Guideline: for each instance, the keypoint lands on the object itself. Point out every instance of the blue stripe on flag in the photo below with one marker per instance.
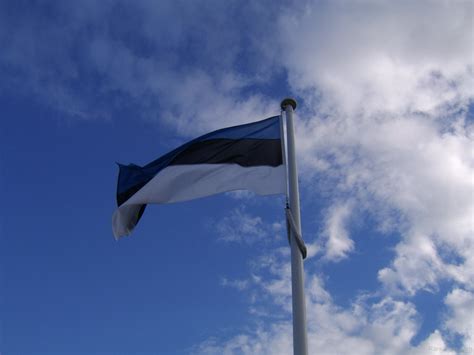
(265, 129)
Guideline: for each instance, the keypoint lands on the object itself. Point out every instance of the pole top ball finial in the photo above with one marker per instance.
(288, 101)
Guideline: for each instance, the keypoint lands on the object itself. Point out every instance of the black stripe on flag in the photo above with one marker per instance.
(244, 152)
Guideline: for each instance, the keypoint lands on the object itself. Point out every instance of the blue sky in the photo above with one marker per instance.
(384, 140)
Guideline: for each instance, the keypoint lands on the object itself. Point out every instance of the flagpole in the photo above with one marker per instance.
(300, 338)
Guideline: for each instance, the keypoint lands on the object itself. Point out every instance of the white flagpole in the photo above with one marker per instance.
(300, 338)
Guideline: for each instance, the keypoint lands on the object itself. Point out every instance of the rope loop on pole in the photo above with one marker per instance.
(290, 223)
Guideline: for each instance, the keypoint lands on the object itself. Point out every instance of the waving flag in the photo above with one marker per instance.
(245, 157)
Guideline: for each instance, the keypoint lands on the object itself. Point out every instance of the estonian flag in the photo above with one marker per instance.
(246, 157)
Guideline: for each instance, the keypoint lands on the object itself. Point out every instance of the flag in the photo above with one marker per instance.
(245, 157)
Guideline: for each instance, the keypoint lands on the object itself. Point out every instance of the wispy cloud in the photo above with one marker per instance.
(242, 227)
(338, 243)
(237, 284)
(87, 65)
(372, 324)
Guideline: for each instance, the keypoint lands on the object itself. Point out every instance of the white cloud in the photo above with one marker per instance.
(386, 126)
(386, 326)
(434, 344)
(338, 243)
(367, 57)
(242, 227)
(191, 100)
(461, 316)
(237, 284)
(413, 177)
(88, 66)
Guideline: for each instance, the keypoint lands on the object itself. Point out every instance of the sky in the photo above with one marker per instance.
(384, 135)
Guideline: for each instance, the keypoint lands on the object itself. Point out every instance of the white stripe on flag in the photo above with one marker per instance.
(186, 182)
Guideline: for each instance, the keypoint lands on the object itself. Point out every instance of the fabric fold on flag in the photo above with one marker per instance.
(245, 157)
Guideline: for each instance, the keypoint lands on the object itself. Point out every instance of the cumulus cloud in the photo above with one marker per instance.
(388, 127)
(461, 319)
(338, 243)
(371, 325)
(414, 177)
(366, 57)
